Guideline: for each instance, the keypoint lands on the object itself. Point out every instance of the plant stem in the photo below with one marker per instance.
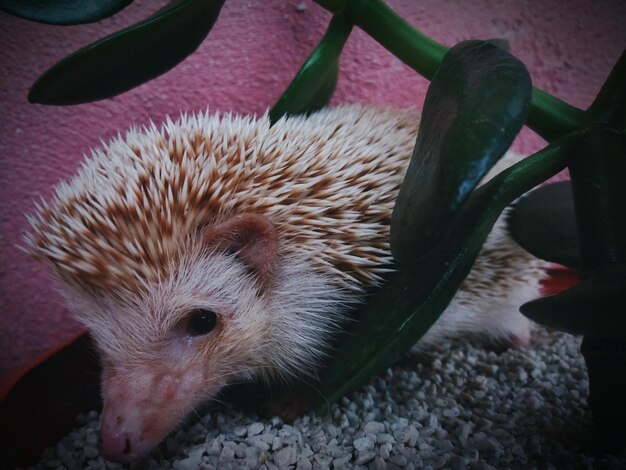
(548, 116)
(551, 117)
(598, 171)
(415, 49)
(606, 364)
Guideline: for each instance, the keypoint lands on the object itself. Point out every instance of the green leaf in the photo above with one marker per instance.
(593, 307)
(544, 223)
(130, 57)
(475, 106)
(501, 43)
(63, 12)
(314, 84)
(413, 298)
(609, 107)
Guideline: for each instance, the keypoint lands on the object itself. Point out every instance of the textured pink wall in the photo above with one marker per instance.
(248, 59)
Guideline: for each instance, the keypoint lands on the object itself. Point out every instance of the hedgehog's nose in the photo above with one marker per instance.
(115, 444)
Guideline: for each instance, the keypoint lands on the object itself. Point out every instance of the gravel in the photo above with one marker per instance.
(460, 406)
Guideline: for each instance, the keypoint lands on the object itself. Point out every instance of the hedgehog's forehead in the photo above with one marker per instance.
(198, 277)
(125, 322)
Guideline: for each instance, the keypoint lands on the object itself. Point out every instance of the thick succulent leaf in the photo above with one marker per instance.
(544, 224)
(609, 107)
(593, 307)
(314, 85)
(63, 12)
(475, 106)
(130, 57)
(414, 297)
(501, 43)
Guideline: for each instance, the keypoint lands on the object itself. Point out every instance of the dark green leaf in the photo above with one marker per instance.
(475, 106)
(544, 224)
(501, 43)
(609, 107)
(129, 57)
(593, 307)
(313, 86)
(63, 12)
(413, 298)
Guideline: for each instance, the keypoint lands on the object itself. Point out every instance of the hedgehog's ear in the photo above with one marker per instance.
(252, 238)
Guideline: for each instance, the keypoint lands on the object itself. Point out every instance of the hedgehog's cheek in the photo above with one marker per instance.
(140, 409)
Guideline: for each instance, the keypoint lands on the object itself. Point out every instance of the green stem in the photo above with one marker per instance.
(549, 116)
(598, 171)
(413, 48)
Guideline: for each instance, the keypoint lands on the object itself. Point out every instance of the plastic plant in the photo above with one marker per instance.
(478, 99)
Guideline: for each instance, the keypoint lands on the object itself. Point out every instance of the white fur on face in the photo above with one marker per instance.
(283, 331)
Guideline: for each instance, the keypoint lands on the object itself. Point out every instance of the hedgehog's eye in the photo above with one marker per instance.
(201, 322)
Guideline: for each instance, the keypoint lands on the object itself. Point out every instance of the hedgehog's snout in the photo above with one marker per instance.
(116, 445)
(138, 411)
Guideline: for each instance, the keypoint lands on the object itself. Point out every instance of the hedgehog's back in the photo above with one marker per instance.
(327, 182)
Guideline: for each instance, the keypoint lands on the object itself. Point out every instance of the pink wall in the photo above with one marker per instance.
(248, 59)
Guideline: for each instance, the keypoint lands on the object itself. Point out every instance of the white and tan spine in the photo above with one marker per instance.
(327, 182)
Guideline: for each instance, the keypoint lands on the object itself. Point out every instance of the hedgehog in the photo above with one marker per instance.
(219, 249)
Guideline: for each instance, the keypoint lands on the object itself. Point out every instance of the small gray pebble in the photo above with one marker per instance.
(341, 462)
(384, 438)
(401, 435)
(215, 448)
(92, 438)
(277, 443)
(91, 452)
(255, 428)
(374, 427)
(286, 456)
(304, 464)
(258, 442)
(364, 457)
(364, 443)
(192, 461)
(323, 460)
